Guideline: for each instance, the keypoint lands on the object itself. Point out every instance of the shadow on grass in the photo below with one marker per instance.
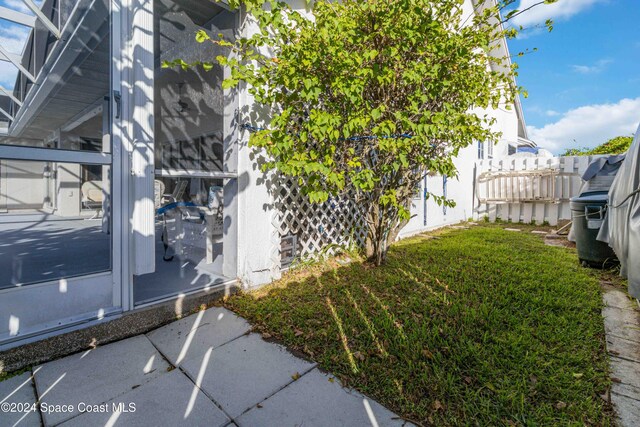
(479, 326)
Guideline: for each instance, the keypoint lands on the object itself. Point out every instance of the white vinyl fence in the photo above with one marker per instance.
(528, 189)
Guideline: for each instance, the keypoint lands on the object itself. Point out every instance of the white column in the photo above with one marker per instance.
(258, 237)
(137, 111)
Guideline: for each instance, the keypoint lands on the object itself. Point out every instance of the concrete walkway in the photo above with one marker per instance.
(622, 327)
(206, 369)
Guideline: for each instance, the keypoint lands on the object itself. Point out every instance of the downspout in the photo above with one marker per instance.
(424, 201)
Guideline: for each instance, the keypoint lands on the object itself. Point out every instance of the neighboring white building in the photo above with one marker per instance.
(98, 137)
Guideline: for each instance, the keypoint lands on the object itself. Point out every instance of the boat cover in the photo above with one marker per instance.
(621, 228)
(598, 178)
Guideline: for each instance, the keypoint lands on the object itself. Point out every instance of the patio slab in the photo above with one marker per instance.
(626, 390)
(178, 276)
(617, 298)
(18, 390)
(229, 378)
(37, 249)
(626, 372)
(193, 336)
(168, 400)
(97, 376)
(244, 372)
(318, 399)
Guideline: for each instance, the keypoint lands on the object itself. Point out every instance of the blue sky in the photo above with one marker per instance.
(584, 80)
(12, 38)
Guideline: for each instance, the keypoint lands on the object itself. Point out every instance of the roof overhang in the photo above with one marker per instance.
(83, 31)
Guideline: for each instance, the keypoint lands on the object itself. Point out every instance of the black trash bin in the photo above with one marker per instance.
(588, 212)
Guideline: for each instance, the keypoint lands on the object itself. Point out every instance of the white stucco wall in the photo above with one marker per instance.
(461, 189)
(22, 185)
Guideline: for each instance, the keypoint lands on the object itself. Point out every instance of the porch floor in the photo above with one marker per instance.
(178, 275)
(40, 247)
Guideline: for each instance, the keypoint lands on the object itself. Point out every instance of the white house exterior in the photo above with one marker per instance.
(97, 136)
(427, 214)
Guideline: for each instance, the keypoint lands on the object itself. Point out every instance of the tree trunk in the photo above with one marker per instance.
(375, 250)
(376, 242)
(381, 234)
(393, 234)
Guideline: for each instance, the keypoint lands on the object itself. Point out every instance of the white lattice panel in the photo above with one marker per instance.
(335, 223)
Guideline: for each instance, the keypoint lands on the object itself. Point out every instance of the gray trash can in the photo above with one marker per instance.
(588, 212)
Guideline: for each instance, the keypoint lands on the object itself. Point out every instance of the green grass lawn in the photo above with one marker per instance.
(465, 327)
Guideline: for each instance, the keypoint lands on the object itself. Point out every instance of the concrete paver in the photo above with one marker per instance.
(622, 327)
(194, 335)
(244, 372)
(96, 376)
(622, 348)
(621, 323)
(628, 410)
(168, 400)
(318, 399)
(18, 392)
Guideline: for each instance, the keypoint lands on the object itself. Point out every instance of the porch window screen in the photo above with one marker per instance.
(56, 166)
(189, 104)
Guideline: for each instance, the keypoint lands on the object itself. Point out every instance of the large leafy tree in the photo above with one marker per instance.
(369, 96)
(617, 145)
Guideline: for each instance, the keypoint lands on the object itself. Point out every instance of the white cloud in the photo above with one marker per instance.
(13, 37)
(563, 9)
(8, 74)
(592, 69)
(588, 126)
(551, 113)
(19, 5)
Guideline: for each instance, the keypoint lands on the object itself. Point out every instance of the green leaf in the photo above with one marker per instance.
(202, 36)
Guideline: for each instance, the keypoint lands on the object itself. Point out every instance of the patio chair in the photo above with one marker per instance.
(92, 196)
(178, 191)
(158, 193)
(215, 204)
(187, 226)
